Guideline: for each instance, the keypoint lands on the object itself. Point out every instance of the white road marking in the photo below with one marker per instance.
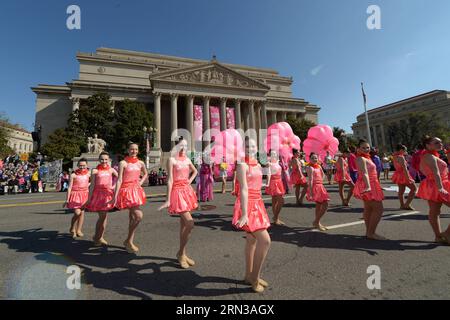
(21, 198)
(337, 226)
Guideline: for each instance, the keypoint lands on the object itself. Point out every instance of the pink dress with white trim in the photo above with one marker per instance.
(182, 198)
(256, 211)
(131, 194)
(80, 191)
(103, 192)
(275, 187)
(320, 193)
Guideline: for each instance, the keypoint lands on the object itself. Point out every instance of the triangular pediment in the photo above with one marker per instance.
(212, 73)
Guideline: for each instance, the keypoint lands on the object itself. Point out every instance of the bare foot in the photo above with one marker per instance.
(261, 282)
(320, 227)
(130, 247)
(278, 223)
(80, 234)
(376, 237)
(183, 262)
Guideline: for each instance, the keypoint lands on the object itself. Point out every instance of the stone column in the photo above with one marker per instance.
(283, 115)
(206, 122)
(246, 117)
(113, 106)
(237, 113)
(190, 119)
(75, 104)
(174, 115)
(264, 115)
(251, 111)
(273, 116)
(223, 113)
(157, 103)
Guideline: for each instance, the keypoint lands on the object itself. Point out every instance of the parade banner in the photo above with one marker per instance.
(215, 117)
(231, 122)
(50, 171)
(198, 123)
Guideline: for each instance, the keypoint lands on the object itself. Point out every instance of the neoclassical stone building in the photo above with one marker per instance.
(436, 103)
(19, 139)
(176, 90)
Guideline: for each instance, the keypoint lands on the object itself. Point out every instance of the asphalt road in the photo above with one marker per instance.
(36, 251)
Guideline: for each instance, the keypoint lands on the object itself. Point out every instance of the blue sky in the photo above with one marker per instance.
(324, 45)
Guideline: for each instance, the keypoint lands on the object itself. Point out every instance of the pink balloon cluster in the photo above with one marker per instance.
(228, 144)
(282, 139)
(320, 140)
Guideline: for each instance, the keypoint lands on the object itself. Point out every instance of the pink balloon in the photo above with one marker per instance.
(281, 138)
(228, 144)
(320, 140)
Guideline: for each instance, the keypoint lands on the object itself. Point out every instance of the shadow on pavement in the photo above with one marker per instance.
(137, 280)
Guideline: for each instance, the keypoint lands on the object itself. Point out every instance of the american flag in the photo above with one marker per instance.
(364, 94)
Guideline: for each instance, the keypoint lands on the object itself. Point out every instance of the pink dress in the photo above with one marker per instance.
(103, 192)
(182, 198)
(275, 187)
(297, 177)
(399, 176)
(428, 189)
(320, 193)
(256, 211)
(80, 191)
(130, 193)
(342, 173)
(206, 183)
(376, 193)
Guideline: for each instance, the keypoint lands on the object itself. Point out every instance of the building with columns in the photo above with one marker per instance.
(18, 139)
(436, 103)
(173, 88)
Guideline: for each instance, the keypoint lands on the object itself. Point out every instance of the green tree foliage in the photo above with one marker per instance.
(345, 141)
(62, 144)
(300, 127)
(411, 131)
(130, 119)
(5, 150)
(95, 116)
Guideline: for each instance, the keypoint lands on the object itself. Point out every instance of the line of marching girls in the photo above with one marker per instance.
(94, 191)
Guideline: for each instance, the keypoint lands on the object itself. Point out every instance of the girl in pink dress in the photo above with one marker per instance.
(316, 191)
(368, 189)
(129, 193)
(102, 196)
(250, 216)
(402, 178)
(77, 196)
(436, 186)
(342, 177)
(181, 198)
(297, 177)
(275, 187)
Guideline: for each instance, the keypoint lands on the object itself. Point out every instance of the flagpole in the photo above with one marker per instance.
(367, 115)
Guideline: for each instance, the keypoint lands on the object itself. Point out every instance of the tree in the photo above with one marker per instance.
(5, 149)
(345, 141)
(300, 127)
(95, 116)
(411, 131)
(130, 119)
(63, 144)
